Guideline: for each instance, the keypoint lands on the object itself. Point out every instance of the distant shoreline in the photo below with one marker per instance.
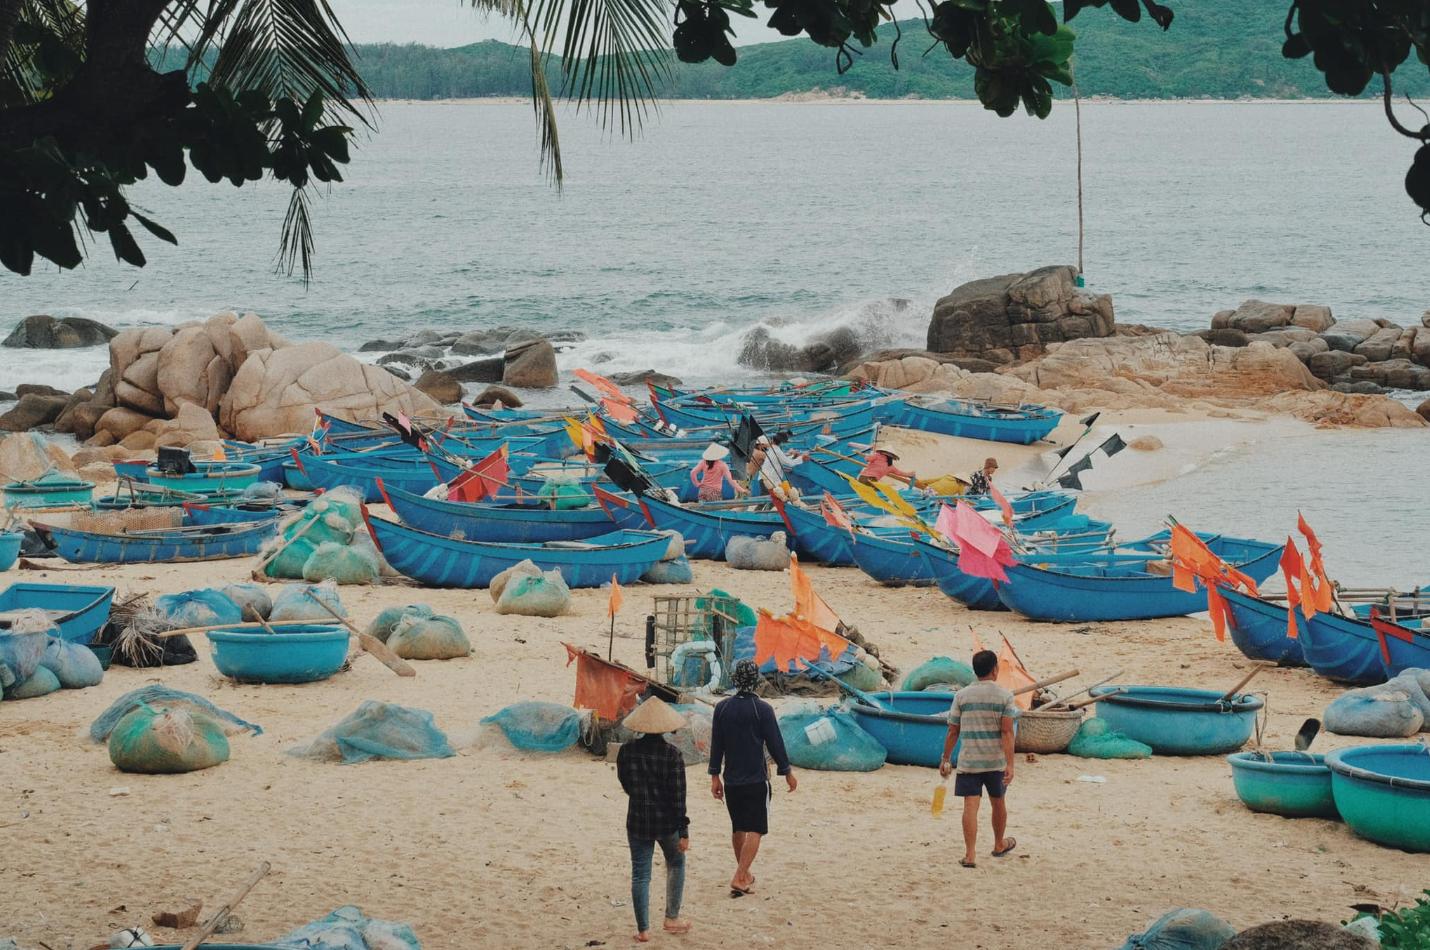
(818, 98)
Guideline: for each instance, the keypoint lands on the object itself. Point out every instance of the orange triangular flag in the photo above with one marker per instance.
(614, 603)
(808, 605)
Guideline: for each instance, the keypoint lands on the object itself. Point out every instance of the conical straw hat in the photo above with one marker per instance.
(654, 715)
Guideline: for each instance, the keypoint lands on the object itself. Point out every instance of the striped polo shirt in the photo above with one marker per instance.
(978, 711)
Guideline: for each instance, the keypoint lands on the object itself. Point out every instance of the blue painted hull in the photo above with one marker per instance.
(295, 654)
(817, 540)
(848, 418)
(1093, 591)
(708, 530)
(439, 561)
(524, 524)
(211, 477)
(891, 559)
(1383, 793)
(197, 514)
(1258, 628)
(1176, 721)
(86, 608)
(1405, 656)
(414, 475)
(976, 593)
(973, 421)
(912, 733)
(1344, 650)
(225, 541)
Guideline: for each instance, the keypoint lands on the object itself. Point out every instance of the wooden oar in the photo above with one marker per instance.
(369, 642)
(222, 913)
(1231, 693)
(272, 555)
(1101, 682)
(1033, 687)
(1090, 700)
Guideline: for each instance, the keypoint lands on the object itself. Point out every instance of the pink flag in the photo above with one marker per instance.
(983, 551)
(1003, 504)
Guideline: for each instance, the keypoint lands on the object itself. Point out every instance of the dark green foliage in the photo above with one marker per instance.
(1407, 928)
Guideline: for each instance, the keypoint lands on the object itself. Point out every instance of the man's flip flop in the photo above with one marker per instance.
(964, 862)
(1012, 843)
(736, 892)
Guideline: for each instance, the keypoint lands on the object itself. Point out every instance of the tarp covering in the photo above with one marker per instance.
(608, 689)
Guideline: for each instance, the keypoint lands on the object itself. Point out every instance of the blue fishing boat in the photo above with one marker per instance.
(842, 418)
(160, 545)
(207, 477)
(518, 523)
(816, 539)
(79, 612)
(1178, 721)
(1402, 648)
(133, 469)
(911, 726)
(440, 561)
(1132, 582)
(1342, 649)
(976, 593)
(1020, 425)
(707, 527)
(1290, 784)
(10, 543)
(1383, 793)
(1258, 629)
(890, 558)
(409, 474)
(199, 513)
(50, 490)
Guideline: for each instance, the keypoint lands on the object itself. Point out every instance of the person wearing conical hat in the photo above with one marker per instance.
(652, 772)
(711, 473)
(880, 464)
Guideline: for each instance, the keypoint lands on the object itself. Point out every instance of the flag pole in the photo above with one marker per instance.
(611, 643)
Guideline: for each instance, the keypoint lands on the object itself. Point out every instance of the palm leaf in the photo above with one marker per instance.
(39, 32)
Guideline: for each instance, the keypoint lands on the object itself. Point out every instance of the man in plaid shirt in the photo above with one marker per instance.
(652, 772)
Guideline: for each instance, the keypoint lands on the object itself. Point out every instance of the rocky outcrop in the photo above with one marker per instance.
(643, 376)
(276, 391)
(25, 455)
(32, 411)
(1017, 316)
(44, 332)
(497, 394)
(530, 366)
(440, 386)
(825, 352)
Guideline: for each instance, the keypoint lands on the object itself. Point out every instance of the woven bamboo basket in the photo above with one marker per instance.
(1046, 730)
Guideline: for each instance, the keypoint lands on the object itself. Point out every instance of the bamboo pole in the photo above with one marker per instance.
(370, 643)
(1049, 681)
(222, 913)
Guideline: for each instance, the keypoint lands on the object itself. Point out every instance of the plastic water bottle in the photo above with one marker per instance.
(939, 794)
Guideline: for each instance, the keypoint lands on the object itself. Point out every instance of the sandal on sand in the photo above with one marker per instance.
(736, 892)
(1012, 843)
(965, 863)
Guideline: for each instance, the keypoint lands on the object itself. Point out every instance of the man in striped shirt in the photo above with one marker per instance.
(982, 716)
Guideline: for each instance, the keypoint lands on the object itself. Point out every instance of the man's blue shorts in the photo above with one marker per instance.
(972, 784)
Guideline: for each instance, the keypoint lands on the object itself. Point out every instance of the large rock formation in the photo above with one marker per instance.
(825, 352)
(32, 411)
(1016, 316)
(44, 332)
(530, 366)
(25, 455)
(276, 391)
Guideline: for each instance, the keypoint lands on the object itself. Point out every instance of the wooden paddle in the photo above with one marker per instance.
(1101, 682)
(1086, 702)
(1230, 694)
(222, 913)
(369, 642)
(272, 555)
(1033, 687)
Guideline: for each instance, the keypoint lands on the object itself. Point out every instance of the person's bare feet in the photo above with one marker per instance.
(676, 926)
(642, 937)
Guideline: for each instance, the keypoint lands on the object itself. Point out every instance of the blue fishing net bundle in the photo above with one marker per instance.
(347, 928)
(160, 696)
(850, 750)
(1183, 929)
(205, 607)
(535, 726)
(1095, 739)
(377, 730)
(938, 671)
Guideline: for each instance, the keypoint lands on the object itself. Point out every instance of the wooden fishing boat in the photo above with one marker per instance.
(79, 612)
(513, 522)
(50, 490)
(1258, 629)
(161, 545)
(1383, 793)
(1178, 721)
(707, 527)
(890, 558)
(198, 513)
(1401, 647)
(816, 539)
(1020, 425)
(441, 561)
(1132, 582)
(207, 477)
(911, 726)
(976, 593)
(1342, 649)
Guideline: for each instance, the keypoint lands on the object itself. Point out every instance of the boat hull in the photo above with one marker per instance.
(1258, 629)
(525, 524)
(1383, 793)
(913, 731)
(976, 593)
(86, 609)
(891, 560)
(1177, 721)
(970, 421)
(707, 531)
(1344, 650)
(1292, 784)
(226, 541)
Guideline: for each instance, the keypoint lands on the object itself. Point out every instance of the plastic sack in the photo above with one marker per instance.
(41, 683)
(347, 928)
(1095, 739)
(343, 563)
(305, 602)
(166, 741)
(1375, 712)
(378, 730)
(429, 638)
(676, 571)
(757, 554)
(1412, 683)
(205, 607)
(676, 549)
(382, 624)
(75, 666)
(692, 740)
(253, 601)
(345, 502)
(22, 646)
(939, 671)
(156, 695)
(538, 727)
(525, 568)
(1183, 929)
(535, 595)
(262, 491)
(318, 524)
(564, 493)
(810, 746)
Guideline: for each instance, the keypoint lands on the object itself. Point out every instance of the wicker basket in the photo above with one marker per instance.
(1046, 731)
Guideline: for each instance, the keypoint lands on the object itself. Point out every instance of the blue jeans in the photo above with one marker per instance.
(642, 850)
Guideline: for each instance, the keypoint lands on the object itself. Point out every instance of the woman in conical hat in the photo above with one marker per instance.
(652, 772)
(711, 473)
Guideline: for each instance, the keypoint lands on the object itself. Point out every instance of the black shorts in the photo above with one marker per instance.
(749, 807)
(972, 784)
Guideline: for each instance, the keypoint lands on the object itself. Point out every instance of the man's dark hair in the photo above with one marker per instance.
(781, 437)
(984, 662)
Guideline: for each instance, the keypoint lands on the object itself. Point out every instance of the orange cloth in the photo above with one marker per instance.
(613, 604)
(834, 513)
(1012, 674)
(1324, 597)
(1294, 570)
(788, 639)
(606, 688)
(603, 385)
(619, 411)
(219, 454)
(481, 480)
(1003, 504)
(808, 605)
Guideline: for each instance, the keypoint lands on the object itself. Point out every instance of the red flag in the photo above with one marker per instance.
(481, 480)
(1002, 503)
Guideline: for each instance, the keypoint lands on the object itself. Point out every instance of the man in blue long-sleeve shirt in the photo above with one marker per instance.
(744, 728)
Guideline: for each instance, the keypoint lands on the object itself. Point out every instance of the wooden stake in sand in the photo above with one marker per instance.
(222, 913)
(369, 642)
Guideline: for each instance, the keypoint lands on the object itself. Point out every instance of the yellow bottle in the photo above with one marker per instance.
(939, 794)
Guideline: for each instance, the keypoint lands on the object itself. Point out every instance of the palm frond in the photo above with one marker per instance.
(42, 36)
(297, 247)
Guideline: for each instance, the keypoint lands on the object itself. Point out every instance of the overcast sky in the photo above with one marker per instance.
(452, 23)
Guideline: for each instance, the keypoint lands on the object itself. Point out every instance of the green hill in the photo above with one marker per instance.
(1217, 49)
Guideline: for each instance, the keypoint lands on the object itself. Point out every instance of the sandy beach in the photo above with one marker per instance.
(496, 848)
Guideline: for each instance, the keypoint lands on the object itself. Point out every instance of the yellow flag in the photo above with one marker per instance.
(575, 432)
(895, 499)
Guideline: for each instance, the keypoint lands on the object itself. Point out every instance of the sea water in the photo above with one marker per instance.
(801, 217)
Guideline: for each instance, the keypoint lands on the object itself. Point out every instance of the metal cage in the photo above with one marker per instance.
(677, 620)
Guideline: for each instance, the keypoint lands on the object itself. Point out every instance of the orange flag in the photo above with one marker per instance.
(1003, 504)
(614, 603)
(1294, 570)
(1323, 591)
(808, 605)
(219, 454)
(787, 639)
(1012, 674)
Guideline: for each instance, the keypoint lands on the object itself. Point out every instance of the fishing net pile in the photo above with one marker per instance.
(382, 625)
(326, 541)
(1396, 709)
(674, 566)
(377, 730)
(564, 492)
(829, 740)
(1095, 739)
(316, 603)
(22, 646)
(347, 928)
(158, 730)
(525, 589)
(940, 673)
(157, 695)
(535, 726)
(1183, 929)
(432, 637)
(758, 554)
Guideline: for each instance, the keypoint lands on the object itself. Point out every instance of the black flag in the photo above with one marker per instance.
(1063, 452)
(1070, 480)
(1113, 445)
(743, 444)
(1090, 419)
